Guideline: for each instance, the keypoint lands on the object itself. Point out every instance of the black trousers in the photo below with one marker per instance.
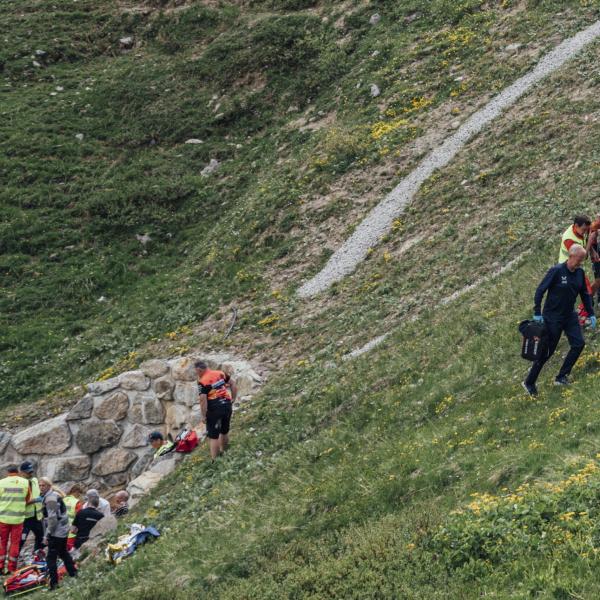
(35, 526)
(57, 548)
(555, 328)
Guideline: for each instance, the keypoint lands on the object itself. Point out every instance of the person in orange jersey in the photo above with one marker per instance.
(217, 392)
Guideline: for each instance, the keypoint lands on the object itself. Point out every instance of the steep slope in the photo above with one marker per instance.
(355, 480)
(282, 99)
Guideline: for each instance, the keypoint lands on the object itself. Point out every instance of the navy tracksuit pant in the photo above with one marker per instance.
(555, 327)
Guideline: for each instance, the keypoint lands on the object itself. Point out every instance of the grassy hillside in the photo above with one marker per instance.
(279, 92)
(417, 471)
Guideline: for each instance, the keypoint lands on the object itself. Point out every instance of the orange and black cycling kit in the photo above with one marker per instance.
(214, 385)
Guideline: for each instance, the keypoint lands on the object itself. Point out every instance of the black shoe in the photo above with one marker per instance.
(530, 388)
(562, 380)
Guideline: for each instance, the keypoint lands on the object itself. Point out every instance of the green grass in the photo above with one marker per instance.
(71, 209)
(345, 480)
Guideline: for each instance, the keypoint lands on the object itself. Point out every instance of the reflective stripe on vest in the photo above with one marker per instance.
(33, 510)
(13, 493)
(164, 449)
(569, 234)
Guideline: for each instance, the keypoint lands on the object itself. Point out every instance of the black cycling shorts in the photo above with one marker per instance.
(596, 267)
(218, 418)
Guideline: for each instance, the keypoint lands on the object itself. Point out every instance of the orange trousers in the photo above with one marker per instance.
(10, 542)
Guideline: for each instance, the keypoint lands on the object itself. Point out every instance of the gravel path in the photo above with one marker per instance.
(459, 293)
(378, 222)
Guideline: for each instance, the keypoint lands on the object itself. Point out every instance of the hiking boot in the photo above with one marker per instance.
(562, 380)
(530, 388)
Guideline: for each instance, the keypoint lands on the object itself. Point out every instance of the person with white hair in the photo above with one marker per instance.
(561, 285)
(56, 530)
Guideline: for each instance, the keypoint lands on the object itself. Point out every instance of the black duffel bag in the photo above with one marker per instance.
(535, 340)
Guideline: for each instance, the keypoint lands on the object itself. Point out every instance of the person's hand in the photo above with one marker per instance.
(538, 319)
(593, 322)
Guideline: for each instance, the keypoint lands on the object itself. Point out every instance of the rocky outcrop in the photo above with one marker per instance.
(115, 407)
(49, 437)
(95, 435)
(103, 440)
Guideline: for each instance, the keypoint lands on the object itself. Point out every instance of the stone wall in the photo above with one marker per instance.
(103, 440)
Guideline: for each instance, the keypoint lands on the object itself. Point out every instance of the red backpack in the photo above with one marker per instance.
(186, 441)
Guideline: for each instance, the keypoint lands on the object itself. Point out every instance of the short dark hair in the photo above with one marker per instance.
(12, 469)
(581, 220)
(156, 435)
(200, 364)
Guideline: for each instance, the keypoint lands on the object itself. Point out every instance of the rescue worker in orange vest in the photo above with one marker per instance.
(14, 495)
(217, 392)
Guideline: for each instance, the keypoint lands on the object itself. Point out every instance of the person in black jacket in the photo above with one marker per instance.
(562, 284)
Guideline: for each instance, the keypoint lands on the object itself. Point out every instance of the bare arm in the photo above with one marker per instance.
(233, 388)
(203, 405)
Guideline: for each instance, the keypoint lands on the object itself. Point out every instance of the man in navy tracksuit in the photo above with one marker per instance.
(562, 284)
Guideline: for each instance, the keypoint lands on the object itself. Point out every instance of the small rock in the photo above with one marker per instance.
(146, 408)
(114, 460)
(101, 299)
(95, 435)
(134, 380)
(60, 88)
(512, 47)
(40, 53)
(48, 437)
(375, 91)
(375, 19)
(113, 407)
(193, 141)
(126, 43)
(375, 53)
(36, 64)
(82, 410)
(210, 168)
(154, 368)
(5, 437)
(79, 136)
(136, 437)
(101, 387)
(163, 387)
(141, 485)
(143, 239)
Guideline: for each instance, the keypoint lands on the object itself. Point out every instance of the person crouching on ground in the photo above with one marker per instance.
(56, 526)
(217, 392)
(562, 284)
(121, 507)
(159, 444)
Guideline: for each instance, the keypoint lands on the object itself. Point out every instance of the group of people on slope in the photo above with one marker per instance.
(59, 522)
(561, 285)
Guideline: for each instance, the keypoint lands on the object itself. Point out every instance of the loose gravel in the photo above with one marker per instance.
(379, 221)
